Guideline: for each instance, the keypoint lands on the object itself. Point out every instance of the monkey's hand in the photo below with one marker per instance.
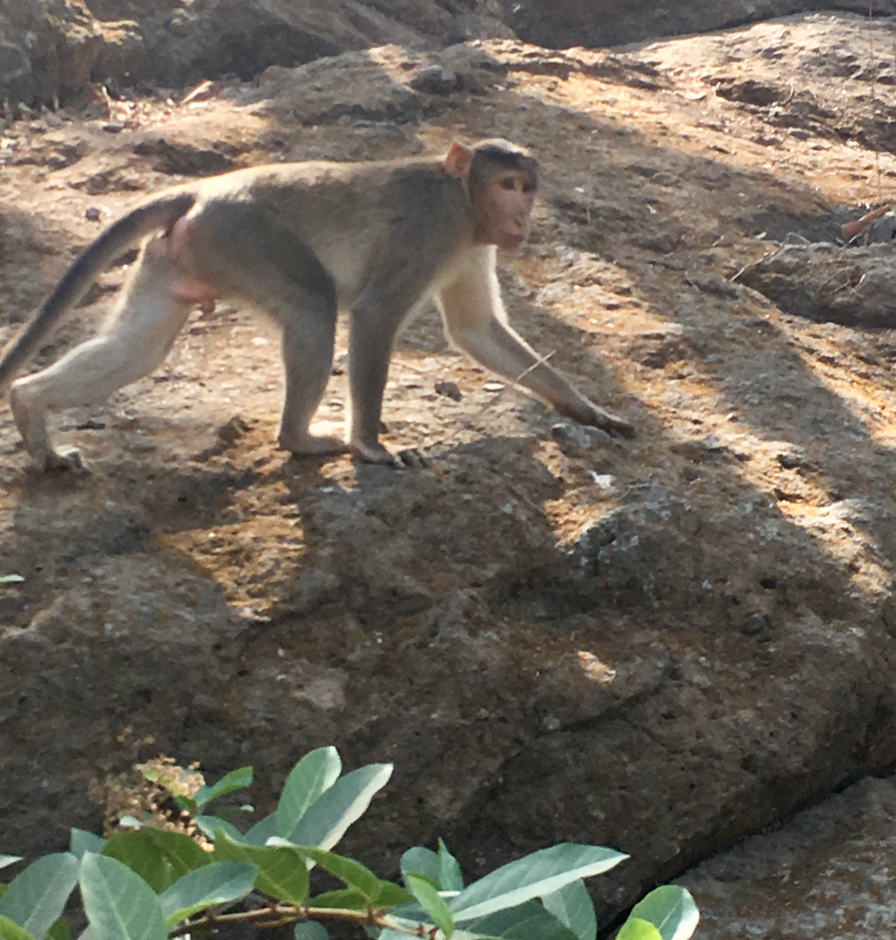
(586, 412)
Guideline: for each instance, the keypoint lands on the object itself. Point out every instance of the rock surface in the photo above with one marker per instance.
(63, 49)
(822, 282)
(562, 23)
(826, 874)
(660, 645)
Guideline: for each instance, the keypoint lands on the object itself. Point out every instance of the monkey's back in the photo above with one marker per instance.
(354, 217)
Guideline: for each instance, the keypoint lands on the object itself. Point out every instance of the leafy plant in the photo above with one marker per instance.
(149, 881)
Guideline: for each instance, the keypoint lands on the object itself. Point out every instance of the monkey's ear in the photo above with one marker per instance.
(458, 161)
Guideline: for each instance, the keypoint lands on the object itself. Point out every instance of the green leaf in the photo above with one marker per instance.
(529, 921)
(450, 876)
(421, 877)
(217, 883)
(11, 579)
(353, 873)
(392, 895)
(421, 861)
(236, 780)
(10, 930)
(9, 860)
(181, 853)
(671, 910)
(83, 841)
(314, 774)
(573, 907)
(345, 899)
(228, 812)
(282, 872)
(310, 930)
(209, 824)
(141, 854)
(119, 904)
(327, 819)
(434, 905)
(263, 830)
(533, 876)
(59, 931)
(36, 897)
(636, 929)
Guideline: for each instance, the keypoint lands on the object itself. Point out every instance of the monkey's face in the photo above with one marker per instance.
(503, 204)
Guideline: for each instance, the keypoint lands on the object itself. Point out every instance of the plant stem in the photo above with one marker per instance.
(288, 913)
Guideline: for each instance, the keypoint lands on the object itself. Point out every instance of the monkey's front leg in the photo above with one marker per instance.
(500, 349)
(475, 321)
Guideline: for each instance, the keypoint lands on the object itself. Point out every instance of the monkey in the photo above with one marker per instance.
(300, 241)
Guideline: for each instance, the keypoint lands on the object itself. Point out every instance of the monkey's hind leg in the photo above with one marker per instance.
(248, 254)
(134, 341)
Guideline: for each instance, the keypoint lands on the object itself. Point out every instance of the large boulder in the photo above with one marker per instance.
(47, 48)
(561, 23)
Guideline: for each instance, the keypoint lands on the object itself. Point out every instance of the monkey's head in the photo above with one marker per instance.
(501, 180)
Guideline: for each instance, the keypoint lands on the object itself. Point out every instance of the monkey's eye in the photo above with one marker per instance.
(529, 188)
(509, 182)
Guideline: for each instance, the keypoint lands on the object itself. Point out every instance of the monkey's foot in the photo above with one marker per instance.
(310, 445)
(67, 458)
(32, 426)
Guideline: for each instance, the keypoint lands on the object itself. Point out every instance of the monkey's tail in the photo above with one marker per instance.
(161, 213)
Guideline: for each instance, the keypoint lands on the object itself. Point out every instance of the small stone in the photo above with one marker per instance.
(449, 390)
(437, 80)
(573, 438)
(788, 461)
(757, 625)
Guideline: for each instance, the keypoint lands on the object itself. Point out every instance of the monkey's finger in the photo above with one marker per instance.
(618, 427)
(413, 458)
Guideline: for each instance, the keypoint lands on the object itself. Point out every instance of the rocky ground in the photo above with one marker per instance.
(826, 874)
(661, 645)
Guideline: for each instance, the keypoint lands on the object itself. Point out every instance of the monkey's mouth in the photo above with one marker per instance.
(511, 241)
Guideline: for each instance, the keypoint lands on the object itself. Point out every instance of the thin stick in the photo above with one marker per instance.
(463, 427)
(880, 189)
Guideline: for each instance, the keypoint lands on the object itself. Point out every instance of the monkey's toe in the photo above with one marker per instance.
(413, 458)
(618, 427)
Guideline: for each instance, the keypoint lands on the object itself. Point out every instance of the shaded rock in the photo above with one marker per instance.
(315, 93)
(123, 54)
(882, 229)
(467, 26)
(182, 159)
(563, 23)
(47, 48)
(826, 873)
(437, 80)
(842, 285)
